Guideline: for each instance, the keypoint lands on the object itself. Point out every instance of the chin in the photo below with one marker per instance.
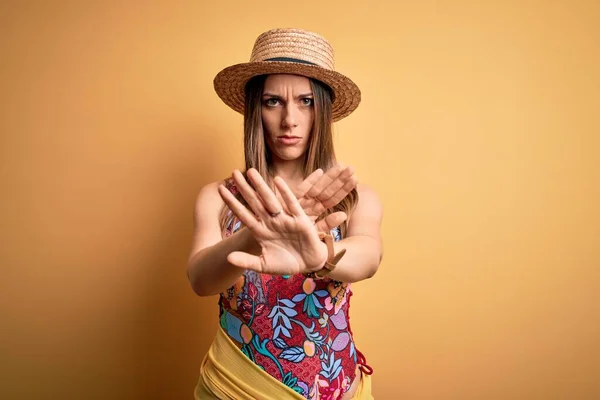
(290, 155)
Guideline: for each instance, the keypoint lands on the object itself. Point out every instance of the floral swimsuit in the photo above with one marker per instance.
(293, 327)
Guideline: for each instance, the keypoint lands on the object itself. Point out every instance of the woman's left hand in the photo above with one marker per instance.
(321, 191)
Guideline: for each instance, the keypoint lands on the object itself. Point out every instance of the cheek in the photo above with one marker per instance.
(309, 120)
(269, 121)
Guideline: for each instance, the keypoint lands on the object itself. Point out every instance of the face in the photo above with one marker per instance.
(288, 115)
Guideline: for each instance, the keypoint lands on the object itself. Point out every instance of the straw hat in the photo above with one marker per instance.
(289, 51)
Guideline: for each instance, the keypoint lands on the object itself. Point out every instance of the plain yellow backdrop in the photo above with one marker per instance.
(478, 128)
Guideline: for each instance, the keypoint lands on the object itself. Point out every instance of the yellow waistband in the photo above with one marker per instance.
(226, 373)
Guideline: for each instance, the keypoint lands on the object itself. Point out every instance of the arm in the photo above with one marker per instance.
(363, 244)
(208, 270)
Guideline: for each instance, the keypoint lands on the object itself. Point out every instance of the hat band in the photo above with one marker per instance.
(289, 59)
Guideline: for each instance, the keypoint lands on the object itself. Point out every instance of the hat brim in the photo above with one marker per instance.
(230, 83)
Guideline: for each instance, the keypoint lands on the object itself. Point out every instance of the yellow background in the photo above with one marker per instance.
(478, 128)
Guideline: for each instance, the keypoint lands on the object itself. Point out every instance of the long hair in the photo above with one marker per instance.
(319, 154)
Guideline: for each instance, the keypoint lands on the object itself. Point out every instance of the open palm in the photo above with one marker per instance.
(287, 236)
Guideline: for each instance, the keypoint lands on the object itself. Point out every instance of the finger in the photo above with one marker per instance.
(269, 199)
(282, 201)
(249, 194)
(331, 221)
(311, 206)
(337, 184)
(325, 180)
(308, 183)
(246, 260)
(288, 197)
(238, 208)
(341, 194)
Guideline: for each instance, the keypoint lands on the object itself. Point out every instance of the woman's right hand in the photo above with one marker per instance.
(287, 236)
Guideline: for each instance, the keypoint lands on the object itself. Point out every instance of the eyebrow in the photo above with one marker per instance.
(279, 97)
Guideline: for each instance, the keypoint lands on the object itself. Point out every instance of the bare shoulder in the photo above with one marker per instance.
(368, 198)
(366, 190)
(208, 200)
(209, 192)
(368, 214)
(207, 208)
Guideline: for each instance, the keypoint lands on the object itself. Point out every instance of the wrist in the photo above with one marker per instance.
(322, 263)
(250, 244)
(332, 258)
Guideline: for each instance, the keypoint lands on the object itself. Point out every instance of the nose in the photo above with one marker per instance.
(289, 119)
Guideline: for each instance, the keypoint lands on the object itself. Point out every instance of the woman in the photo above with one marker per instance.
(282, 243)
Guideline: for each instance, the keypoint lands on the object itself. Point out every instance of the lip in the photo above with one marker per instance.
(289, 140)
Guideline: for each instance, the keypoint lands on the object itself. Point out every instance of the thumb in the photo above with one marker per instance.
(331, 221)
(245, 260)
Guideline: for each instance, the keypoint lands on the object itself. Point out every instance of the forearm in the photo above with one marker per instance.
(361, 261)
(208, 270)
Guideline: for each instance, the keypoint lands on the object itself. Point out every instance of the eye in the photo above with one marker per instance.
(307, 101)
(272, 102)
